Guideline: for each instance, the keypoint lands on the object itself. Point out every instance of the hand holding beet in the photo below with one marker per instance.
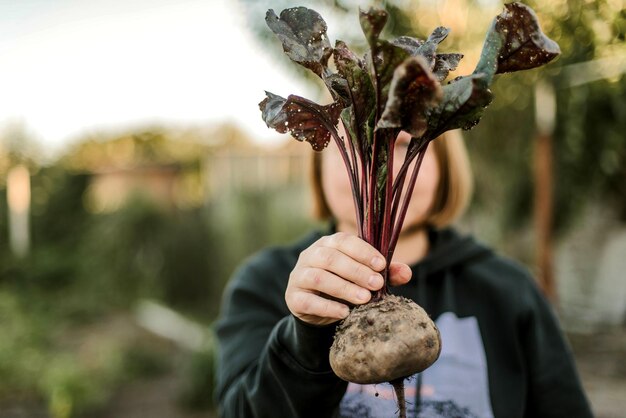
(336, 272)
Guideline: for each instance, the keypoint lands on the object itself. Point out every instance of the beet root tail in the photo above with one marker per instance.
(398, 387)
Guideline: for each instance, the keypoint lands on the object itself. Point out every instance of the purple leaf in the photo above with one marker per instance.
(338, 87)
(372, 23)
(303, 119)
(525, 45)
(428, 48)
(384, 57)
(464, 100)
(360, 89)
(515, 42)
(440, 64)
(409, 44)
(444, 63)
(414, 91)
(302, 32)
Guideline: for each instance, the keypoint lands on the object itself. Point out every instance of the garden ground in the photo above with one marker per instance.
(601, 360)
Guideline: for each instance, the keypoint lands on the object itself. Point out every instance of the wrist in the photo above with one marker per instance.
(309, 344)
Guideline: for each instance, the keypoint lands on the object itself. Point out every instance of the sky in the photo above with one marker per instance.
(71, 67)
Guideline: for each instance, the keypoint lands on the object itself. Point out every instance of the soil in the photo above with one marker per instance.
(601, 360)
(600, 357)
(154, 398)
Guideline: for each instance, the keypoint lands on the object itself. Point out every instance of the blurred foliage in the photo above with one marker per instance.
(590, 156)
(197, 394)
(151, 146)
(35, 368)
(61, 345)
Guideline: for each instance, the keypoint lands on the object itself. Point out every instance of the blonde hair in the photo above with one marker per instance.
(453, 193)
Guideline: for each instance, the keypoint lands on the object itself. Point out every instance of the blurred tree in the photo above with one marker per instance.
(17, 146)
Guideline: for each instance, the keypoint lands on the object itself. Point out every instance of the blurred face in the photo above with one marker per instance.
(338, 194)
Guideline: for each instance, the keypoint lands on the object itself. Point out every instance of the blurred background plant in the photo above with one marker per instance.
(118, 220)
(164, 213)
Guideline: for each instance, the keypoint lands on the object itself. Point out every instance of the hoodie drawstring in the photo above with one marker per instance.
(449, 302)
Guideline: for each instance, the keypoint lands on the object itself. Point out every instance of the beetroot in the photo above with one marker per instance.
(384, 341)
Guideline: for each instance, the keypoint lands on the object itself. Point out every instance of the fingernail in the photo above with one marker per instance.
(378, 263)
(363, 294)
(375, 281)
(407, 271)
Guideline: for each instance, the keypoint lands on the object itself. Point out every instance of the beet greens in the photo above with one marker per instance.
(398, 85)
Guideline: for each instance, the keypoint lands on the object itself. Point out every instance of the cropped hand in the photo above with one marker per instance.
(334, 272)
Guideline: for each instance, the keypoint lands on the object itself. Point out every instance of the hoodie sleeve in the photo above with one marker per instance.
(554, 387)
(271, 364)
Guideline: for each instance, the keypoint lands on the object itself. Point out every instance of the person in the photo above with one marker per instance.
(503, 353)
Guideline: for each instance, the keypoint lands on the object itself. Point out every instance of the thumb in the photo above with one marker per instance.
(399, 273)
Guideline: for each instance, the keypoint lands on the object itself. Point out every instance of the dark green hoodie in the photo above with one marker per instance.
(503, 354)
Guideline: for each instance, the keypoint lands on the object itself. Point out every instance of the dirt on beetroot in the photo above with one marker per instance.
(389, 339)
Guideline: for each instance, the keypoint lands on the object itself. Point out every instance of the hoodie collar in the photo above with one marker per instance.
(447, 249)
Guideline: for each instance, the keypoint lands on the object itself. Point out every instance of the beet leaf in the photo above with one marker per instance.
(304, 119)
(303, 34)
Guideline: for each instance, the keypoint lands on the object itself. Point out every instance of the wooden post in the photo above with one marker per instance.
(543, 170)
(18, 199)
